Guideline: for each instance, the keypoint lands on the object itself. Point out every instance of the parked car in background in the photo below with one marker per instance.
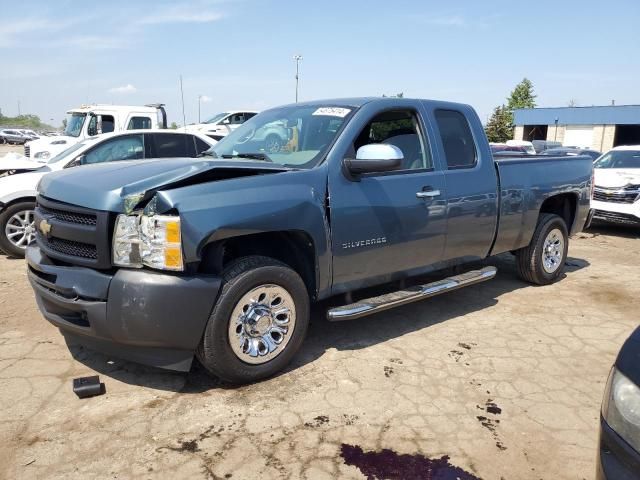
(30, 134)
(616, 193)
(221, 258)
(18, 179)
(221, 124)
(503, 150)
(528, 146)
(90, 120)
(14, 137)
(542, 145)
(570, 151)
(619, 444)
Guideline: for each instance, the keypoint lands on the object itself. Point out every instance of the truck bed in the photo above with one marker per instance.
(524, 183)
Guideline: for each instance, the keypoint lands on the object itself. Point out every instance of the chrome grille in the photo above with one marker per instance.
(27, 151)
(628, 194)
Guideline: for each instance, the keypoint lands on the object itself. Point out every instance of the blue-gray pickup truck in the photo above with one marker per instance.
(221, 256)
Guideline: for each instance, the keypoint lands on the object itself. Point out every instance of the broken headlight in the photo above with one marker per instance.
(154, 241)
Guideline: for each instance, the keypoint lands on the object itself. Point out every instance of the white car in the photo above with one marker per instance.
(19, 177)
(616, 192)
(222, 124)
(90, 120)
(528, 146)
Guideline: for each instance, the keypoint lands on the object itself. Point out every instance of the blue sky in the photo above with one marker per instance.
(238, 53)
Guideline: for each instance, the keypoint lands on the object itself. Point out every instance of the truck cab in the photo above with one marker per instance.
(90, 120)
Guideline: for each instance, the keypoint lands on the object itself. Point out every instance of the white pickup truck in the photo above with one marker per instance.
(90, 120)
(616, 193)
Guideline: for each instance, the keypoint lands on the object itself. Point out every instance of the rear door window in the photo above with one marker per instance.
(139, 123)
(168, 145)
(459, 148)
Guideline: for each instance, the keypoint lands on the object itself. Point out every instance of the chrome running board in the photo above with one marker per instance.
(380, 303)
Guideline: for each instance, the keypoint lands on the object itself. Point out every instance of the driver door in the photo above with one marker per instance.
(383, 226)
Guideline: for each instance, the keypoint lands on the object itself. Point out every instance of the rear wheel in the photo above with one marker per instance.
(17, 228)
(542, 261)
(258, 323)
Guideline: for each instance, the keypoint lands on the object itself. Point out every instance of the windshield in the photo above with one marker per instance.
(294, 136)
(216, 118)
(74, 124)
(619, 159)
(62, 155)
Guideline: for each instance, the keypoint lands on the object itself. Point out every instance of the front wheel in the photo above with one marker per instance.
(17, 229)
(258, 323)
(542, 261)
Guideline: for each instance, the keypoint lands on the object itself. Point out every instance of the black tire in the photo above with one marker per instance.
(5, 245)
(529, 260)
(241, 276)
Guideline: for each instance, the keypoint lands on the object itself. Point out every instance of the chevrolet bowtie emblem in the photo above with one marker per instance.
(45, 227)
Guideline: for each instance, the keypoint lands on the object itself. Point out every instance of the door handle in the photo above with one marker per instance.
(428, 194)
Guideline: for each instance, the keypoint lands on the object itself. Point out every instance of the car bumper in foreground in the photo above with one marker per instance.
(144, 316)
(616, 459)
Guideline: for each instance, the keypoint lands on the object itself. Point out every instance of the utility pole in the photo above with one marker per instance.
(199, 97)
(19, 106)
(297, 58)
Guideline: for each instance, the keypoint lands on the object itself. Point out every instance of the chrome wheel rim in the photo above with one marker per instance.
(262, 323)
(553, 251)
(272, 145)
(20, 229)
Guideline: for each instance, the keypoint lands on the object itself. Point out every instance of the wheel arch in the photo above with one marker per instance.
(564, 205)
(295, 248)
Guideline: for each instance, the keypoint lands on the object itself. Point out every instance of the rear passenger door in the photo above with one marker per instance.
(471, 185)
(171, 145)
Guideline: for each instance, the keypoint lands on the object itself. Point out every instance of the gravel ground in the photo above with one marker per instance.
(503, 379)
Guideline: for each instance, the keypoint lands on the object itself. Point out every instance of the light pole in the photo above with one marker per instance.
(199, 97)
(297, 58)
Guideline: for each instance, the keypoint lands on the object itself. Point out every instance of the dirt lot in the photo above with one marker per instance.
(504, 378)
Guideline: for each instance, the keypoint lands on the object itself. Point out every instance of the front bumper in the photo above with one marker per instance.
(621, 213)
(144, 316)
(616, 459)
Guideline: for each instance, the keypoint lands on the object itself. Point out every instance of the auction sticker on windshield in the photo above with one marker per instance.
(332, 111)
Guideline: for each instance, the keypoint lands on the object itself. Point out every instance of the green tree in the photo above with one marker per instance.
(499, 128)
(522, 96)
(173, 126)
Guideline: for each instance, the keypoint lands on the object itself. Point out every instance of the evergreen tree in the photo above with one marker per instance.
(522, 96)
(499, 128)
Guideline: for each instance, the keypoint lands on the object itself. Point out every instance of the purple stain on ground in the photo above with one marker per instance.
(389, 464)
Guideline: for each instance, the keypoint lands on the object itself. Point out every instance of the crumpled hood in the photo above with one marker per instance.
(616, 177)
(105, 186)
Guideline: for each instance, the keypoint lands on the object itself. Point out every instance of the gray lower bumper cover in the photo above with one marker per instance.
(139, 315)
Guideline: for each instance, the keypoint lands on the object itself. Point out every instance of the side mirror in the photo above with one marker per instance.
(375, 157)
(226, 121)
(76, 162)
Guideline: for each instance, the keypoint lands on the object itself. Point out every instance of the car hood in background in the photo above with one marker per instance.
(105, 186)
(616, 177)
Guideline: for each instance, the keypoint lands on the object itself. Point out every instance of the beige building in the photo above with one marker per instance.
(599, 128)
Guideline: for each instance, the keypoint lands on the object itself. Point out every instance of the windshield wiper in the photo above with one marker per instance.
(252, 156)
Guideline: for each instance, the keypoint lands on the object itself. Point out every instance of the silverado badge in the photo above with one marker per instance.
(45, 227)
